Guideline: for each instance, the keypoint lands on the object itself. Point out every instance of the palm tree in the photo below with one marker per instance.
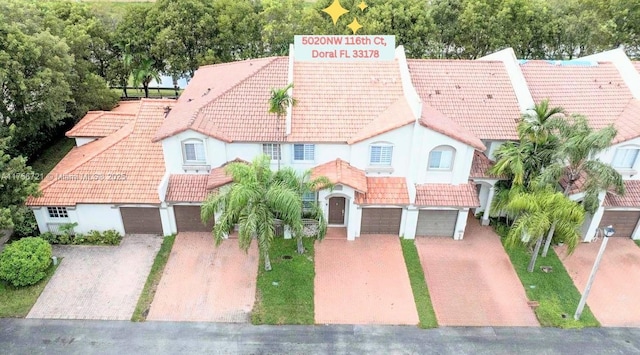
(524, 160)
(537, 210)
(253, 201)
(143, 73)
(575, 158)
(279, 102)
(303, 183)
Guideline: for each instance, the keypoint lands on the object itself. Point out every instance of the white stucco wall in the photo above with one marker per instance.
(400, 161)
(352, 213)
(80, 141)
(172, 150)
(459, 174)
(88, 216)
(627, 174)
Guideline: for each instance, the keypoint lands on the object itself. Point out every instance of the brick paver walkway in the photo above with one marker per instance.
(202, 282)
(98, 282)
(616, 289)
(472, 281)
(363, 282)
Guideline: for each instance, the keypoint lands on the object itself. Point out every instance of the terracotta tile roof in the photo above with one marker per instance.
(340, 172)
(97, 124)
(578, 185)
(187, 188)
(342, 102)
(384, 191)
(628, 123)
(124, 167)
(131, 107)
(218, 177)
(596, 91)
(445, 195)
(631, 196)
(481, 165)
(435, 120)
(230, 102)
(478, 95)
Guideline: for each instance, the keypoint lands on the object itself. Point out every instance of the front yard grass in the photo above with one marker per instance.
(52, 155)
(284, 295)
(16, 302)
(149, 290)
(557, 295)
(637, 241)
(418, 284)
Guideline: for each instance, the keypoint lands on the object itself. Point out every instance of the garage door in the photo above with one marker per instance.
(436, 223)
(381, 221)
(141, 220)
(624, 222)
(188, 219)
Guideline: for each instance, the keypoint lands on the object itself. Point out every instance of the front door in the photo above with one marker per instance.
(336, 210)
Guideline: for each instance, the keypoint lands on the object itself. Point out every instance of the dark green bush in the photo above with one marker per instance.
(24, 223)
(93, 237)
(25, 261)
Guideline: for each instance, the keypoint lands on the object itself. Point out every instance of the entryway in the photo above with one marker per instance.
(336, 210)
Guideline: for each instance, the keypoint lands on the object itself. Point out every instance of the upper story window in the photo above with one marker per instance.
(441, 158)
(193, 152)
(380, 154)
(58, 212)
(304, 152)
(272, 150)
(625, 158)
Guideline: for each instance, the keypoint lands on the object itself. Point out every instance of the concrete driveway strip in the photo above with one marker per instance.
(616, 289)
(202, 282)
(98, 282)
(472, 281)
(363, 282)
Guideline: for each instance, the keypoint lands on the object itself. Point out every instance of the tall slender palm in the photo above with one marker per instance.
(537, 210)
(143, 73)
(303, 183)
(253, 201)
(575, 158)
(279, 102)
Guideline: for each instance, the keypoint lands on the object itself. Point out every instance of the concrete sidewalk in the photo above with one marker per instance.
(31, 336)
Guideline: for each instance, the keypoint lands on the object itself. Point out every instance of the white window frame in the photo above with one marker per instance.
(385, 156)
(270, 148)
(308, 198)
(442, 149)
(197, 160)
(308, 152)
(625, 158)
(57, 212)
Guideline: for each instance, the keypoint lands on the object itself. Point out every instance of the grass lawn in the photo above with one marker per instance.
(17, 302)
(418, 284)
(149, 290)
(555, 291)
(52, 155)
(284, 295)
(637, 242)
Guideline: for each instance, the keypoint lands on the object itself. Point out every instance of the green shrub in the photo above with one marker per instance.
(49, 237)
(25, 261)
(111, 237)
(93, 237)
(24, 223)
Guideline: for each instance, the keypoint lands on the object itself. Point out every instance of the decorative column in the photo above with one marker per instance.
(487, 208)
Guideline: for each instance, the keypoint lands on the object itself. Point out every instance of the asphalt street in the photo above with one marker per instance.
(34, 336)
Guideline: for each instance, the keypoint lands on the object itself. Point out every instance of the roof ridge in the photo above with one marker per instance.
(89, 120)
(103, 144)
(240, 61)
(360, 136)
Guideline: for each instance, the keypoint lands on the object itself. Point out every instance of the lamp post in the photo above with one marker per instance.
(608, 231)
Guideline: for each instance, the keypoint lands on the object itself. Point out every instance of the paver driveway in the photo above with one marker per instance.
(616, 289)
(363, 282)
(98, 282)
(472, 281)
(202, 282)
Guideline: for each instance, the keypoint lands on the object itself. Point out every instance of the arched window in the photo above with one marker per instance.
(193, 152)
(441, 158)
(380, 153)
